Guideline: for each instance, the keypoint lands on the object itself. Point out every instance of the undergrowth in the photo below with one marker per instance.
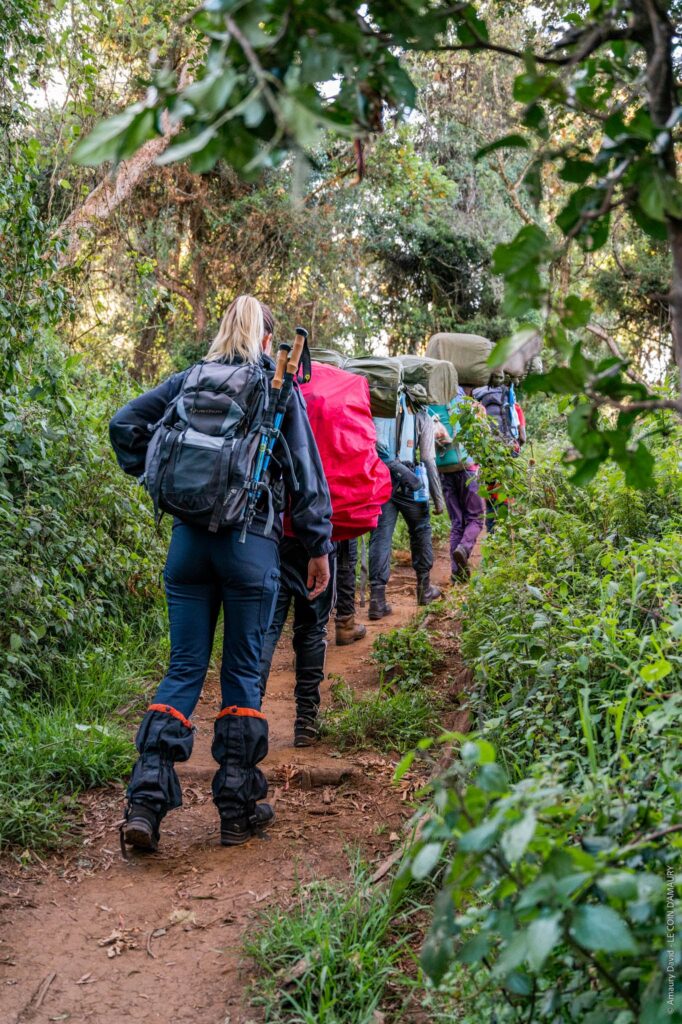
(71, 737)
(385, 720)
(331, 956)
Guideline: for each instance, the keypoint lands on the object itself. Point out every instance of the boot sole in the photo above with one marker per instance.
(375, 616)
(239, 840)
(352, 640)
(306, 741)
(137, 834)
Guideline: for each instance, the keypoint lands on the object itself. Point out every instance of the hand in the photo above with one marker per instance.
(437, 510)
(318, 576)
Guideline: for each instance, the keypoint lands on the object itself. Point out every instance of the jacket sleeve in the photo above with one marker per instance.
(129, 428)
(310, 506)
(427, 451)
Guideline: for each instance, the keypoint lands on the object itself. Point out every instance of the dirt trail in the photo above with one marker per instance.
(91, 938)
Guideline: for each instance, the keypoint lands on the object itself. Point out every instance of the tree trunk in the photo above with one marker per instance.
(657, 37)
(106, 197)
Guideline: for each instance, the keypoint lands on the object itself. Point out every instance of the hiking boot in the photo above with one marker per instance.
(237, 831)
(426, 592)
(378, 607)
(306, 732)
(348, 631)
(141, 828)
(461, 571)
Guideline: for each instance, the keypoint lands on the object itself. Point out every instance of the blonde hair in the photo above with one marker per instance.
(241, 331)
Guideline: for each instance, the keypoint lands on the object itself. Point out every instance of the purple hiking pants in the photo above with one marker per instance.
(466, 509)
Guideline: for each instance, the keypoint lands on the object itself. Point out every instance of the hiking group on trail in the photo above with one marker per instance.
(272, 470)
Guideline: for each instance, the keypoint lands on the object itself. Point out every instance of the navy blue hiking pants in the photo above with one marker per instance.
(205, 571)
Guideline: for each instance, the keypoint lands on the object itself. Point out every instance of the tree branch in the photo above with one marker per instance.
(603, 335)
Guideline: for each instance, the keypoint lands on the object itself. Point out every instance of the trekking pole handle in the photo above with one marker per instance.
(297, 350)
(281, 366)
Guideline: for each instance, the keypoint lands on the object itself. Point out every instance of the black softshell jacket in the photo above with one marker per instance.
(310, 505)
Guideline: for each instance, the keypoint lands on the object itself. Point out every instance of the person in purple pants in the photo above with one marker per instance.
(466, 509)
(458, 477)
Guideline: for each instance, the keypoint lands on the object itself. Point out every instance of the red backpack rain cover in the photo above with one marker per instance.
(341, 420)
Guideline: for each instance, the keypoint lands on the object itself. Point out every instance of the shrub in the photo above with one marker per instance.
(559, 898)
(385, 720)
(406, 656)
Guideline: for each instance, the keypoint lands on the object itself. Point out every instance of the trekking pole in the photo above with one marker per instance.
(288, 358)
(295, 352)
(266, 429)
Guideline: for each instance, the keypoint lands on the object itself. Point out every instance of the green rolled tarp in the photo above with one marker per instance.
(384, 376)
(329, 356)
(468, 353)
(438, 378)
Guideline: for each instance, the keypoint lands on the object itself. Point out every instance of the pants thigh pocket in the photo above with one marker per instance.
(269, 595)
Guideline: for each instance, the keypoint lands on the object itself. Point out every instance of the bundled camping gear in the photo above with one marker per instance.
(384, 376)
(339, 410)
(468, 353)
(425, 381)
(437, 379)
(328, 356)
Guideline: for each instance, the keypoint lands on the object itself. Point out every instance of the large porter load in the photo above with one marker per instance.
(429, 381)
(468, 353)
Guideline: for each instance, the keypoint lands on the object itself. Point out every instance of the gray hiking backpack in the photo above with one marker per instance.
(202, 452)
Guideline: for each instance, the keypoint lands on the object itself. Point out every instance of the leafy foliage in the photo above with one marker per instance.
(554, 897)
(406, 656)
(78, 554)
(559, 856)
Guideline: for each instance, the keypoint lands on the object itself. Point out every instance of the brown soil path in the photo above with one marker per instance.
(91, 938)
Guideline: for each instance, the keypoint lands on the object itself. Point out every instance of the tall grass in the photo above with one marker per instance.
(72, 735)
(332, 956)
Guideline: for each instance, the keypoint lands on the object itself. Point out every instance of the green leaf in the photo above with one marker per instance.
(404, 765)
(438, 951)
(620, 885)
(426, 860)
(187, 145)
(210, 94)
(655, 228)
(508, 346)
(529, 245)
(543, 934)
(577, 171)
(516, 839)
(577, 312)
(653, 195)
(475, 949)
(513, 141)
(655, 670)
(481, 837)
(104, 140)
(601, 929)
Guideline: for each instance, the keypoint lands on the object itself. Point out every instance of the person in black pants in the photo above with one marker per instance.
(310, 636)
(418, 520)
(204, 572)
(347, 629)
